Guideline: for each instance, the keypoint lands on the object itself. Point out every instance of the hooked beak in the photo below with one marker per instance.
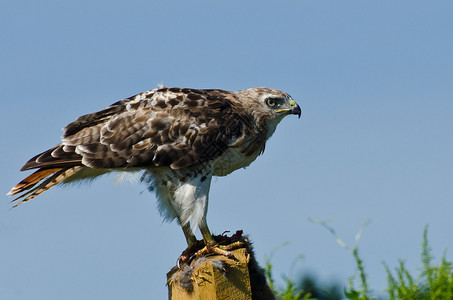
(295, 108)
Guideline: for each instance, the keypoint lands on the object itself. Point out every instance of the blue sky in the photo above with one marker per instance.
(373, 78)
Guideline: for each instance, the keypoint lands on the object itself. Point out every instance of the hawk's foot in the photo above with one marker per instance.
(223, 245)
(220, 249)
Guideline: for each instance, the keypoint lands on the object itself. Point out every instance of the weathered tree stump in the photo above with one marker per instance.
(218, 277)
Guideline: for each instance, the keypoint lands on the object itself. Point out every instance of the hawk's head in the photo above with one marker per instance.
(269, 105)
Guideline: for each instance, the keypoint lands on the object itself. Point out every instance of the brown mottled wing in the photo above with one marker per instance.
(166, 127)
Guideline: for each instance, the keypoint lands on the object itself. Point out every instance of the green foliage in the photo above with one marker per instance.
(364, 292)
(435, 281)
(307, 288)
(290, 291)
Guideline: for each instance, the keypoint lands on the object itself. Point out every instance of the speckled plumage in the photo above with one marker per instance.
(180, 138)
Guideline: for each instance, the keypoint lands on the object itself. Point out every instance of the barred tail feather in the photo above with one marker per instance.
(52, 177)
(31, 180)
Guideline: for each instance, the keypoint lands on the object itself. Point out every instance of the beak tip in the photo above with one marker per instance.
(296, 111)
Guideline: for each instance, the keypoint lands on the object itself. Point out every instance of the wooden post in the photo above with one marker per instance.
(220, 278)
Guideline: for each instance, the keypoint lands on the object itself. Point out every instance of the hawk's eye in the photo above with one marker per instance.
(271, 102)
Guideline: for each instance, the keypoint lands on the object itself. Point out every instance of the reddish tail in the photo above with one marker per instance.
(51, 178)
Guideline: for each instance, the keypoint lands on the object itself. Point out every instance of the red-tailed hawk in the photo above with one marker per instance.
(178, 138)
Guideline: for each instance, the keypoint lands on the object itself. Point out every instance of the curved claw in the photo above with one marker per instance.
(183, 259)
(178, 263)
(192, 257)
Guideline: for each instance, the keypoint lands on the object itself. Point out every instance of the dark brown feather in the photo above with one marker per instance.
(55, 157)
